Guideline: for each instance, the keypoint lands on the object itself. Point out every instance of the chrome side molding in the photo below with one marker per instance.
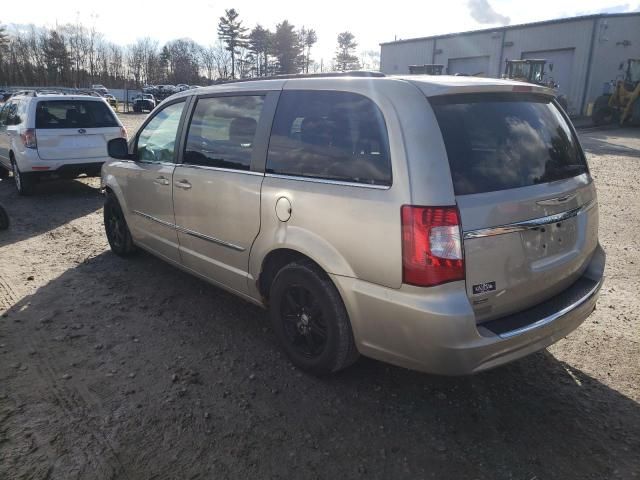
(193, 233)
(528, 224)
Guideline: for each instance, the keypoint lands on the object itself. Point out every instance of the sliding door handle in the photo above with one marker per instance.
(161, 181)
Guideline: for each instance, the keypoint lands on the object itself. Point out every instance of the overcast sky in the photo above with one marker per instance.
(122, 21)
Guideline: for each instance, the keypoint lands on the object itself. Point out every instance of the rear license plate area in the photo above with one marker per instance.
(551, 239)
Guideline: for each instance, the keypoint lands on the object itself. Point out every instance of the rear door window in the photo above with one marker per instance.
(74, 114)
(507, 140)
(222, 132)
(329, 135)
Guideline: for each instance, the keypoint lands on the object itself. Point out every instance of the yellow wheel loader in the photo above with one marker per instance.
(623, 105)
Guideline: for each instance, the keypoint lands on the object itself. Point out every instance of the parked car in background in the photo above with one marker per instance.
(181, 87)
(447, 224)
(143, 102)
(54, 135)
(101, 89)
(111, 100)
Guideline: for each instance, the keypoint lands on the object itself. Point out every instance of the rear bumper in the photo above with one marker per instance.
(434, 330)
(67, 168)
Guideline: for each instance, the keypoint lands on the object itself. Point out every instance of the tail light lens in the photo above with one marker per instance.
(431, 245)
(28, 138)
(123, 133)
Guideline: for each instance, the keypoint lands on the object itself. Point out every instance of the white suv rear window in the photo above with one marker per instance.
(74, 114)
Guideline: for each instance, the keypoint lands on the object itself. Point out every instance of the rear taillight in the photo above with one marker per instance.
(28, 138)
(431, 245)
(123, 133)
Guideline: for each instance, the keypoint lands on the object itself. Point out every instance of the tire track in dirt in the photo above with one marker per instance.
(8, 296)
(79, 404)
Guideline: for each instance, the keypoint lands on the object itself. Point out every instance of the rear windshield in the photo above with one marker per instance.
(502, 141)
(74, 114)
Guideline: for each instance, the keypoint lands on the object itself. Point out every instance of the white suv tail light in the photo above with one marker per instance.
(28, 138)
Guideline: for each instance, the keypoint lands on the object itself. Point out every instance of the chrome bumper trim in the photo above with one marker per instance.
(528, 224)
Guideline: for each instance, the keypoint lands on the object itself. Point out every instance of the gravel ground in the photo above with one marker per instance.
(131, 369)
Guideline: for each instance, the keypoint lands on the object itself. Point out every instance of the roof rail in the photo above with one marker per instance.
(34, 92)
(353, 73)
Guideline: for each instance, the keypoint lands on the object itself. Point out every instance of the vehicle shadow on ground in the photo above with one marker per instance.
(608, 142)
(54, 203)
(133, 369)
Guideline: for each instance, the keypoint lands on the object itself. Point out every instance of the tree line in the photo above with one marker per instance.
(74, 55)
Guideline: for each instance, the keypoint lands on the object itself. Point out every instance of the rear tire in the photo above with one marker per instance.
(602, 113)
(310, 320)
(4, 219)
(635, 113)
(25, 182)
(116, 227)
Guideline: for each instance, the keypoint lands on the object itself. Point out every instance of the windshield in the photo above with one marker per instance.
(634, 71)
(508, 140)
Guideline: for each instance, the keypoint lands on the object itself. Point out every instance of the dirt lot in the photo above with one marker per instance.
(131, 369)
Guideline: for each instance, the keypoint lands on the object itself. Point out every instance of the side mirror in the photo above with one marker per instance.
(118, 149)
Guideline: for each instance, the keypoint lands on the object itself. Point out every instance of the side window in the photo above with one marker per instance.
(4, 111)
(21, 113)
(222, 131)
(157, 140)
(11, 117)
(329, 135)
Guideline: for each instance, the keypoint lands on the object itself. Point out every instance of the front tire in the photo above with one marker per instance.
(25, 182)
(310, 320)
(116, 227)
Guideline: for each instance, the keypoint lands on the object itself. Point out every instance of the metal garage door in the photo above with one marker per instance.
(469, 66)
(562, 61)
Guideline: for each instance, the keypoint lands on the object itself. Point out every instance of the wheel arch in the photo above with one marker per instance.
(110, 185)
(274, 260)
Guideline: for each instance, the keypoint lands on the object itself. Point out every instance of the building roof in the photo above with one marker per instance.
(510, 27)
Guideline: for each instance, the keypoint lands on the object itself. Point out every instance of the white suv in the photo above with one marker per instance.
(55, 135)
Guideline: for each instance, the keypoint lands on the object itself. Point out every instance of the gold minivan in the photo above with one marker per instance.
(445, 224)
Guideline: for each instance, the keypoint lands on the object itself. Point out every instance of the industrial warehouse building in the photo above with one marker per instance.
(585, 52)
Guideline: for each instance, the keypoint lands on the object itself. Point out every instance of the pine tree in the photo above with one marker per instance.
(345, 58)
(287, 48)
(4, 37)
(308, 38)
(259, 45)
(233, 34)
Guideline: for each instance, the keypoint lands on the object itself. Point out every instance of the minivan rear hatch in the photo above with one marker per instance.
(526, 199)
(74, 129)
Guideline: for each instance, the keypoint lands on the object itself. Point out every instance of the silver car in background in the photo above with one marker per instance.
(445, 224)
